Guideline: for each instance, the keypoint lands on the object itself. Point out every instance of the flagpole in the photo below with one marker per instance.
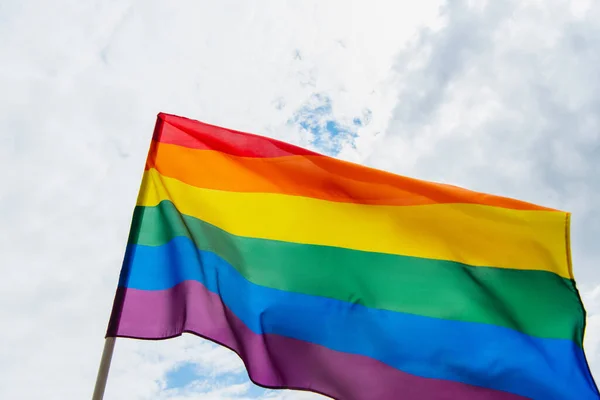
(109, 346)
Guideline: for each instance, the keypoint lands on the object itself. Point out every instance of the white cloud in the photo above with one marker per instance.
(500, 96)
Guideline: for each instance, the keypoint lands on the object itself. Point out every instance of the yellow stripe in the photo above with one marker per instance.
(469, 233)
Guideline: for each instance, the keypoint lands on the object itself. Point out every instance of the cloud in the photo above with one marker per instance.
(498, 96)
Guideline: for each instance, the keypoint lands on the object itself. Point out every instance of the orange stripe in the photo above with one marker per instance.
(310, 176)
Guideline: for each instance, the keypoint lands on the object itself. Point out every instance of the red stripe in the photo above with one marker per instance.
(198, 135)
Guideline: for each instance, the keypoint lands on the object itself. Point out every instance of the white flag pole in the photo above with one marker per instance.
(109, 346)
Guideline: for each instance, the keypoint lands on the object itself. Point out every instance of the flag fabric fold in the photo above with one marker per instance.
(331, 277)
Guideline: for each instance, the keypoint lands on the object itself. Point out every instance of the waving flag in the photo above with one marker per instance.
(332, 277)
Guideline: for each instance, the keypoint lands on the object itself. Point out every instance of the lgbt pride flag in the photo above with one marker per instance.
(336, 278)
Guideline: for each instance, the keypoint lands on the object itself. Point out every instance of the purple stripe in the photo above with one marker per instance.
(276, 361)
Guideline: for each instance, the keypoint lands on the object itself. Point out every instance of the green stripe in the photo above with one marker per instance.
(537, 303)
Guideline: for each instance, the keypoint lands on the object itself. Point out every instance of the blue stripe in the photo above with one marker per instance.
(478, 354)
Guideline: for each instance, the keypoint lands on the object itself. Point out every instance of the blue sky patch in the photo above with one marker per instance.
(182, 375)
(330, 135)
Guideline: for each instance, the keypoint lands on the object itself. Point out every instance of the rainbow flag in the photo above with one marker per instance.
(332, 277)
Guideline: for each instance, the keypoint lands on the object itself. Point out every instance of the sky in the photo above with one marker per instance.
(497, 96)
